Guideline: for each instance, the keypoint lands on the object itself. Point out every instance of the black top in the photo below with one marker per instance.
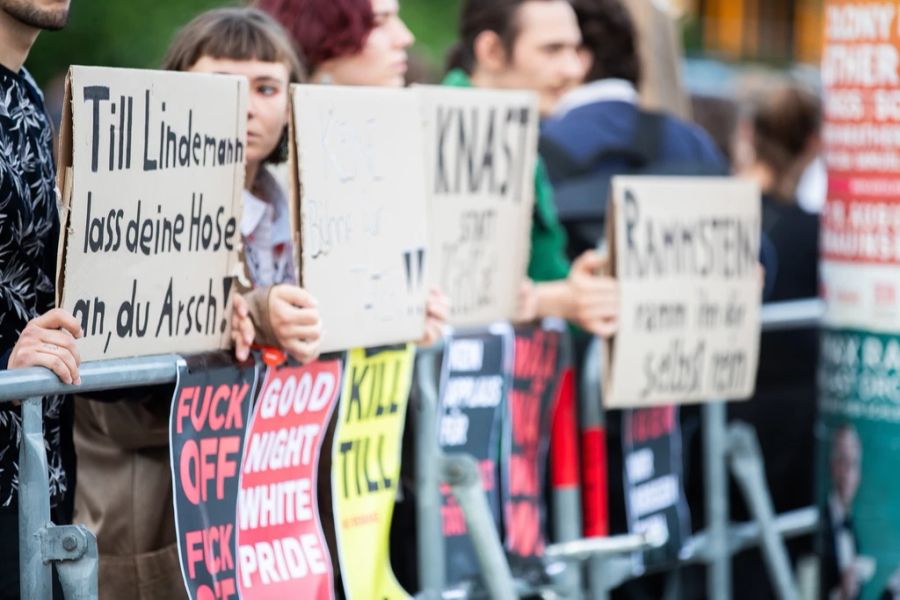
(29, 235)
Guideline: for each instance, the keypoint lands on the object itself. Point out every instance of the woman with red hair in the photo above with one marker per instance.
(347, 42)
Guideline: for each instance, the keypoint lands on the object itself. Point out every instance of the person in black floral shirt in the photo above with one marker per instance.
(32, 333)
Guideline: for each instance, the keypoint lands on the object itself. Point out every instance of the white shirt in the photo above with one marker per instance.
(602, 90)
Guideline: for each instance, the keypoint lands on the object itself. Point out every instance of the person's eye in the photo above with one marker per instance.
(267, 90)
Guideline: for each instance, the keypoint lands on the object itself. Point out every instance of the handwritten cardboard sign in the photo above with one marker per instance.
(210, 409)
(363, 225)
(475, 381)
(480, 152)
(281, 548)
(686, 255)
(365, 468)
(151, 172)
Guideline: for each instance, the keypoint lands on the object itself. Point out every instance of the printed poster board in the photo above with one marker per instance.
(362, 214)
(859, 361)
(475, 382)
(480, 154)
(151, 171)
(365, 468)
(281, 548)
(209, 415)
(686, 255)
(538, 369)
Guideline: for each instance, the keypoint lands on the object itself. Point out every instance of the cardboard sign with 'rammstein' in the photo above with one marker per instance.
(480, 152)
(686, 255)
(362, 212)
(151, 172)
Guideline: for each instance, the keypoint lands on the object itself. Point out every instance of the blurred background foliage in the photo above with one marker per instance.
(135, 33)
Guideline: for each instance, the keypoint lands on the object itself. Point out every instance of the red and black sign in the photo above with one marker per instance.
(206, 440)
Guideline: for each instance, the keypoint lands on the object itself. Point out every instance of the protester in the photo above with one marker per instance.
(32, 333)
(356, 42)
(533, 45)
(125, 494)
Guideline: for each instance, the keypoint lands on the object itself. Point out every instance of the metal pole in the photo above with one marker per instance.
(715, 468)
(428, 496)
(462, 473)
(35, 578)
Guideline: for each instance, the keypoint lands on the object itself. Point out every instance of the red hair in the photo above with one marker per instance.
(323, 29)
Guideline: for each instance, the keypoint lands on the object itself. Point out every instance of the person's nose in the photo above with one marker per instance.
(572, 66)
(403, 37)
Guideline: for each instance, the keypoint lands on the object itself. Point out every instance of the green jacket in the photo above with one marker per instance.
(548, 261)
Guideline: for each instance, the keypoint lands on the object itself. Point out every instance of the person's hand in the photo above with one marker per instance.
(437, 313)
(296, 322)
(49, 341)
(242, 331)
(595, 298)
(526, 302)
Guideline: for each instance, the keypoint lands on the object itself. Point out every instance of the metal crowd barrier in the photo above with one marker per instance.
(74, 552)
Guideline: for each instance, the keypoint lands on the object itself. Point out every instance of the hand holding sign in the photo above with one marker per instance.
(49, 341)
(242, 331)
(437, 313)
(295, 321)
(595, 298)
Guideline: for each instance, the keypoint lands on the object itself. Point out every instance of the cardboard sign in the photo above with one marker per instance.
(363, 226)
(151, 172)
(652, 474)
(480, 152)
(366, 467)
(281, 549)
(210, 409)
(537, 370)
(475, 382)
(686, 255)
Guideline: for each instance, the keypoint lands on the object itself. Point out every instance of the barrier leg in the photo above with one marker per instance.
(461, 472)
(747, 466)
(718, 583)
(34, 503)
(428, 496)
(73, 548)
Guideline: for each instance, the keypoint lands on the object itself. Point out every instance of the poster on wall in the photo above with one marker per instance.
(151, 172)
(859, 364)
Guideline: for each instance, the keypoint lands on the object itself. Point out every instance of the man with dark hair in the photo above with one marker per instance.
(533, 45)
(598, 129)
(32, 333)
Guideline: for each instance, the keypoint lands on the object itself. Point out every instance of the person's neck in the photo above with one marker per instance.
(482, 79)
(16, 40)
(250, 173)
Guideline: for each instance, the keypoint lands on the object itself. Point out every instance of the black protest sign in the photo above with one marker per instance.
(480, 152)
(210, 410)
(537, 373)
(654, 491)
(686, 256)
(475, 382)
(151, 172)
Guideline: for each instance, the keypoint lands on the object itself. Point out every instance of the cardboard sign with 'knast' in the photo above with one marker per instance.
(362, 214)
(480, 152)
(151, 171)
(686, 256)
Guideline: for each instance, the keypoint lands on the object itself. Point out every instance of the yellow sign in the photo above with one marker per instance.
(366, 467)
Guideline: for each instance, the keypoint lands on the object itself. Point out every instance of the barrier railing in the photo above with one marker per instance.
(73, 548)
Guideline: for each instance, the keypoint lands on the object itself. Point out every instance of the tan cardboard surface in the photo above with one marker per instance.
(151, 233)
(480, 153)
(362, 212)
(686, 255)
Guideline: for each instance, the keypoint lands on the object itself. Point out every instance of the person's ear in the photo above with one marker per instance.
(587, 60)
(490, 55)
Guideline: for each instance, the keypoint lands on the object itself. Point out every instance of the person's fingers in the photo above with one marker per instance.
(302, 351)
(438, 310)
(59, 319)
(239, 306)
(309, 333)
(65, 356)
(293, 295)
(63, 339)
(37, 356)
(286, 314)
(589, 261)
